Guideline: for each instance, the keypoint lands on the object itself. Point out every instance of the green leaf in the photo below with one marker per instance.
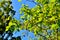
(52, 0)
(19, 0)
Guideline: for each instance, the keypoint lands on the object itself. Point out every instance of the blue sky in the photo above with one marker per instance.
(16, 6)
(24, 34)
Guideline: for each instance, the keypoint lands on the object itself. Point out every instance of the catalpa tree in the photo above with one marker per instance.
(43, 19)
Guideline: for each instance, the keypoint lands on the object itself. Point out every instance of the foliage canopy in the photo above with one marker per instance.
(43, 19)
(8, 24)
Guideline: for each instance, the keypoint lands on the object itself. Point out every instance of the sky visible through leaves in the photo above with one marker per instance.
(23, 33)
